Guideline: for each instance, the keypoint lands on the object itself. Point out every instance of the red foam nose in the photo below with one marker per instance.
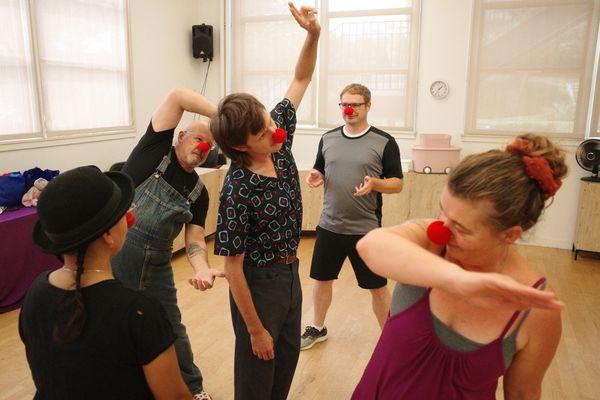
(438, 233)
(130, 219)
(203, 147)
(279, 135)
(348, 111)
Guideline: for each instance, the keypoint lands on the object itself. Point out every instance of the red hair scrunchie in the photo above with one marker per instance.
(520, 146)
(536, 167)
(539, 169)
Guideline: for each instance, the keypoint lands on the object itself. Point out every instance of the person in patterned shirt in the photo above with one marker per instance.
(258, 228)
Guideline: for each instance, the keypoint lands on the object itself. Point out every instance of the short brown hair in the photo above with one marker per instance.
(357, 88)
(238, 115)
(500, 176)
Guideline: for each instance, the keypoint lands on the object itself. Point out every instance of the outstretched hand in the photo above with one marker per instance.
(366, 187)
(496, 290)
(315, 178)
(205, 278)
(306, 17)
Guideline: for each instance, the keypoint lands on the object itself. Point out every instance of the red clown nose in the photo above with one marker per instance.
(279, 135)
(130, 219)
(348, 111)
(203, 147)
(438, 233)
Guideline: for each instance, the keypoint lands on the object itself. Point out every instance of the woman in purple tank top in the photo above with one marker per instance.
(476, 284)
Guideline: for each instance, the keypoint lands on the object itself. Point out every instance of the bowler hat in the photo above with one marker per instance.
(78, 206)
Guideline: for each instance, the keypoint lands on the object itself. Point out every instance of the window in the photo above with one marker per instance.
(595, 127)
(531, 66)
(369, 42)
(64, 68)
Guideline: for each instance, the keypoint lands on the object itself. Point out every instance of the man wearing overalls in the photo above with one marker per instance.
(168, 196)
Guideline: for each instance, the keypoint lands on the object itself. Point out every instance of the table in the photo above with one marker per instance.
(20, 260)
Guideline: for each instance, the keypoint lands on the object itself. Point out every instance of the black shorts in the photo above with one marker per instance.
(330, 252)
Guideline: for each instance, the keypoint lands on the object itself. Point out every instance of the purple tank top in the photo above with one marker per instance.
(411, 363)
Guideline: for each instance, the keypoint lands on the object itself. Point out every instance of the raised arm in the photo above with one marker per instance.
(168, 113)
(405, 254)
(307, 19)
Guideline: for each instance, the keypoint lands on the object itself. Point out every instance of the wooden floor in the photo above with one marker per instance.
(331, 369)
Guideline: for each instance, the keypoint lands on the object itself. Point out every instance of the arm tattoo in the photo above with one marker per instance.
(195, 249)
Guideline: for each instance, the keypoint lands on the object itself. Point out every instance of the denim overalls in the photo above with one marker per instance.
(144, 263)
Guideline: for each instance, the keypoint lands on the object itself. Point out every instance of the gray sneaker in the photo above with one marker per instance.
(312, 336)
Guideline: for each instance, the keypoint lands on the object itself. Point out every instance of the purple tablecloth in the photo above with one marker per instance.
(20, 261)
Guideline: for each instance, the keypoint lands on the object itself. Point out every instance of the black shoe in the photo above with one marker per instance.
(312, 336)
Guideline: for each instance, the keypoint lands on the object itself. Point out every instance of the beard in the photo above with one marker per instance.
(194, 160)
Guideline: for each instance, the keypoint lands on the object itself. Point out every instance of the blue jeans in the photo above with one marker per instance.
(144, 263)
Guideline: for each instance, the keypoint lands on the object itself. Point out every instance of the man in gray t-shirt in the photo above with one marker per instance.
(357, 163)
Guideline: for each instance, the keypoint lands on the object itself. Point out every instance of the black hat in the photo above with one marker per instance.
(78, 206)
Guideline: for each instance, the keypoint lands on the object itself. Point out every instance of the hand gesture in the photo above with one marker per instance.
(306, 17)
(315, 178)
(365, 187)
(262, 345)
(205, 278)
(494, 290)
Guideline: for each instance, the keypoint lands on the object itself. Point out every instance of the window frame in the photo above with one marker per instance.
(48, 138)
(594, 127)
(471, 133)
(318, 85)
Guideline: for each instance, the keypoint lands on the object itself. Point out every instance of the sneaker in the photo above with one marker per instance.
(202, 396)
(312, 336)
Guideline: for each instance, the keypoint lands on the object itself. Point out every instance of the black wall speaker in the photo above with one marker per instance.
(202, 41)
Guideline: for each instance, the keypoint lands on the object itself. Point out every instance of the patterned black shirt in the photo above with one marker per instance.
(258, 215)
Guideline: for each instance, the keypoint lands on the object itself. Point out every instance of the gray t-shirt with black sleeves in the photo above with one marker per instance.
(345, 161)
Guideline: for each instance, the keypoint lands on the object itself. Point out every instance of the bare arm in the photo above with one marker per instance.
(195, 246)
(168, 113)
(164, 378)
(262, 342)
(306, 18)
(523, 380)
(386, 185)
(404, 254)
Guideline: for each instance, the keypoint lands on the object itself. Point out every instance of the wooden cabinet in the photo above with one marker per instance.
(587, 233)
(419, 198)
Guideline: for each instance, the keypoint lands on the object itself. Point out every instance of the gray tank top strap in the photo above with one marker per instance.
(196, 192)
(542, 286)
(164, 163)
(541, 283)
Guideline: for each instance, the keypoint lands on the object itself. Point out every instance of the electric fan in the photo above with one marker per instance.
(588, 158)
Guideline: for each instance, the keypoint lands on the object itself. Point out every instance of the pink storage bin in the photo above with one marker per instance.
(435, 140)
(435, 154)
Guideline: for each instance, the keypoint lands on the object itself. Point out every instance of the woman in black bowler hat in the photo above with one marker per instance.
(85, 335)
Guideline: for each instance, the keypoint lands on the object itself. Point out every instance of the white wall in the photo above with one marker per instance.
(160, 37)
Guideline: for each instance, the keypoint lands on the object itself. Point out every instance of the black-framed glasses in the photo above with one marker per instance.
(351, 105)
